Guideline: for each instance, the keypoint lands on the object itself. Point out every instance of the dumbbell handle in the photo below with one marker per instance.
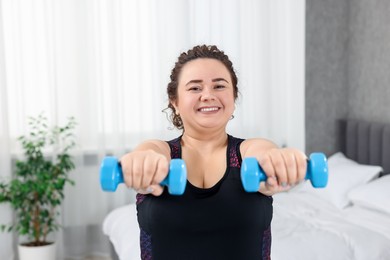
(252, 174)
(111, 175)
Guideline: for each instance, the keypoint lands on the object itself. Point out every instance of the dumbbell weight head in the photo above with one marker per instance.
(251, 174)
(317, 170)
(177, 178)
(110, 174)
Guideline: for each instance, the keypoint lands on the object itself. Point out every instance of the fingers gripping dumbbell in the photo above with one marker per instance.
(111, 175)
(252, 174)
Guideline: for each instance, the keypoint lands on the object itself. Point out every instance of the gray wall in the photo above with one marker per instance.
(347, 66)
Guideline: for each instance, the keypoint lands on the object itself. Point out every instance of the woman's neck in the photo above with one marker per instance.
(205, 142)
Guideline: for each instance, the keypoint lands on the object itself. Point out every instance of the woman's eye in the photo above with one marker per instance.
(194, 88)
(219, 86)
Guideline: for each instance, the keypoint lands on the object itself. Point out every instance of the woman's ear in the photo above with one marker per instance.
(174, 104)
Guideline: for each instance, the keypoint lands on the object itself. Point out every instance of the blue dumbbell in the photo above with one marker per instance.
(111, 175)
(252, 174)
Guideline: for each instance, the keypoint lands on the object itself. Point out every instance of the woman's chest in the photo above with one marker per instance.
(205, 170)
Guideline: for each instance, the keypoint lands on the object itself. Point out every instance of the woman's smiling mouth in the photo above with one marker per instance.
(208, 109)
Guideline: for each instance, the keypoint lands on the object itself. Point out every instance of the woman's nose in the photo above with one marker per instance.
(207, 94)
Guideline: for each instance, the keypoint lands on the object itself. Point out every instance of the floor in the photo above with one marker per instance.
(98, 258)
(94, 258)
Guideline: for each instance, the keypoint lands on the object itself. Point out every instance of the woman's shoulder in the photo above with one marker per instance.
(155, 145)
(251, 141)
(253, 146)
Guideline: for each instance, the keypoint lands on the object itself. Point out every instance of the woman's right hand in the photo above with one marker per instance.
(144, 170)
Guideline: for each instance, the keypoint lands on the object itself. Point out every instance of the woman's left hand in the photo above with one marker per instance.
(284, 167)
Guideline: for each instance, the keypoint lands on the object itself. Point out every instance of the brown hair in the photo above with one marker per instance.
(197, 52)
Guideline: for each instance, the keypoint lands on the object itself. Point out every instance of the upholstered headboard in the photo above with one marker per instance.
(366, 142)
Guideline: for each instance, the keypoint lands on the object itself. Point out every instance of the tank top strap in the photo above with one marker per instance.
(175, 147)
(234, 154)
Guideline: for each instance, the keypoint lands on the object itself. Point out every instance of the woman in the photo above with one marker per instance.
(215, 218)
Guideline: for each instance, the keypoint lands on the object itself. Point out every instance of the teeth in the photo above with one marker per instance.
(208, 109)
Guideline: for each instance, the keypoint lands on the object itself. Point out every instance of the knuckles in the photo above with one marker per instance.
(141, 169)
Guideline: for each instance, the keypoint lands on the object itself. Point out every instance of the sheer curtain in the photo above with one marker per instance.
(6, 239)
(107, 63)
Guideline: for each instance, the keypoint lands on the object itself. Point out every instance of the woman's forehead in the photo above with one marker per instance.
(203, 68)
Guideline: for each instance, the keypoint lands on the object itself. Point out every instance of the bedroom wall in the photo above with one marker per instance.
(326, 71)
(369, 60)
(347, 66)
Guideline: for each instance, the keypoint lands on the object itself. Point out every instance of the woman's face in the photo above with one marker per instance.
(205, 94)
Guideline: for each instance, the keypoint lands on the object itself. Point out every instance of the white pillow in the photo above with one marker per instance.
(344, 175)
(374, 195)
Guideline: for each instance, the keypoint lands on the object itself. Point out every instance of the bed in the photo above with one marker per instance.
(350, 219)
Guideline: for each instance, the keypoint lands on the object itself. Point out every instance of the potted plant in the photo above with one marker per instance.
(35, 191)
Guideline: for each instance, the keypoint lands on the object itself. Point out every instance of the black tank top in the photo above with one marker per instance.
(221, 222)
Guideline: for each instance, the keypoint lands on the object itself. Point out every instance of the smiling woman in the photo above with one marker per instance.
(105, 63)
(214, 209)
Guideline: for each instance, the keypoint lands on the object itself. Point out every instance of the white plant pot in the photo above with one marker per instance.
(47, 252)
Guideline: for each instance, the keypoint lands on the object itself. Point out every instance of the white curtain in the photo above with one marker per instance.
(6, 239)
(107, 63)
